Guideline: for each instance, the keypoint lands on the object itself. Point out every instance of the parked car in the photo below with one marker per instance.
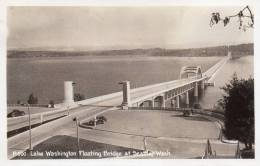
(90, 123)
(99, 120)
(15, 113)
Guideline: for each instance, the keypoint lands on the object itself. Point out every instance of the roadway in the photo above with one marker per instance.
(144, 92)
(181, 147)
(20, 142)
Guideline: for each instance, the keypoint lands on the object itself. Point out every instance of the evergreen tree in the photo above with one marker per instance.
(238, 104)
(78, 97)
(32, 99)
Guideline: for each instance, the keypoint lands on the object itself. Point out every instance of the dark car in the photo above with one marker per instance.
(101, 118)
(15, 113)
(90, 123)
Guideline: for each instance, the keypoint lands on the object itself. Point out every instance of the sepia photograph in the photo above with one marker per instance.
(130, 82)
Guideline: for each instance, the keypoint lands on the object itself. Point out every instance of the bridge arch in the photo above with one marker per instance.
(159, 101)
(187, 70)
(146, 103)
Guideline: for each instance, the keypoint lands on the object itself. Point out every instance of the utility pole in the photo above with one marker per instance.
(68, 110)
(145, 144)
(77, 131)
(95, 121)
(30, 128)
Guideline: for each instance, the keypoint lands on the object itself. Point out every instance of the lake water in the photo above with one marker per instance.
(243, 67)
(100, 75)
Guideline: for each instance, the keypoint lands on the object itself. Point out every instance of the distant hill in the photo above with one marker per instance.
(237, 50)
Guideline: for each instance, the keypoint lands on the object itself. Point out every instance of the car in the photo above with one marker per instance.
(90, 123)
(187, 113)
(101, 118)
(15, 113)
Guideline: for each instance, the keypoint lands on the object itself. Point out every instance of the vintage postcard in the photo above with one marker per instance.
(130, 82)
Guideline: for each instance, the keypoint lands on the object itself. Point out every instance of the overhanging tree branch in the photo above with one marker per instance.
(242, 14)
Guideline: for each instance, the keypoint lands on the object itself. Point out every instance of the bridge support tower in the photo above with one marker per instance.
(187, 99)
(151, 103)
(126, 94)
(162, 103)
(68, 92)
(202, 86)
(177, 102)
(196, 96)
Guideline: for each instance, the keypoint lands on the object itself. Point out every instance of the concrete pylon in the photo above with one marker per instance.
(163, 101)
(196, 96)
(68, 92)
(152, 103)
(172, 103)
(187, 99)
(196, 93)
(126, 94)
(202, 86)
(177, 102)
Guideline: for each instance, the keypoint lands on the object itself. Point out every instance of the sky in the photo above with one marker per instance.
(121, 27)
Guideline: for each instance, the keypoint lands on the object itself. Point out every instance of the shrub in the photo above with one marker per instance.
(78, 97)
(18, 101)
(32, 99)
(52, 104)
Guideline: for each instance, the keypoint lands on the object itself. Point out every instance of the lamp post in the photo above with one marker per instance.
(30, 128)
(145, 144)
(68, 110)
(73, 85)
(77, 131)
(95, 121)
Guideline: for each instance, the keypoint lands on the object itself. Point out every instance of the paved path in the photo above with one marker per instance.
(188, 146)
(178, 147)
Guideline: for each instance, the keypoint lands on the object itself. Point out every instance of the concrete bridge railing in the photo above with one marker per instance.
(15, 123)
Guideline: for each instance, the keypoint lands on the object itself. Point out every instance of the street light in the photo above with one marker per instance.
(68, 110)
(145, 144)
(95, 121)
(77, 131)
(30, 128)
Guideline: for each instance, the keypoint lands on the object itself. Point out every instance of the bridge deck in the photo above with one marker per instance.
(144, 93)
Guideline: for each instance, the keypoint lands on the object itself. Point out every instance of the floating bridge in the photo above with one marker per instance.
(190, 82)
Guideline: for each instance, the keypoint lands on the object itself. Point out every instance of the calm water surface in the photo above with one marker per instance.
(94, 75)
(243, 67)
